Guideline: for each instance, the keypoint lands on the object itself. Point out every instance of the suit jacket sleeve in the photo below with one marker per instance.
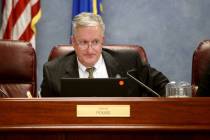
(152, 78)
(45, 86)
(48, 86)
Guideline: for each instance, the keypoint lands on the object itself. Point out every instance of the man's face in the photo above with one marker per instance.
(88, 42)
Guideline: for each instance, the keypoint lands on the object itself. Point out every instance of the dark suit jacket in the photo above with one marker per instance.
(116, 64)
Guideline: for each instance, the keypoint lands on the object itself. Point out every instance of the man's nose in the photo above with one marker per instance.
(89, 44)
(90, 48)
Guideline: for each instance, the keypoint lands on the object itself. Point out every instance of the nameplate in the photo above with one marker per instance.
(103, 110)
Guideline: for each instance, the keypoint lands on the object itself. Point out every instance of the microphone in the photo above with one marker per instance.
(5, 94)
(142, 84)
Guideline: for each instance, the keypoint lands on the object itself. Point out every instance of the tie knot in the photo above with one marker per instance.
(90, 72)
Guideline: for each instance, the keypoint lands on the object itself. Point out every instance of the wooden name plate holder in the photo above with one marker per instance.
(150, 118)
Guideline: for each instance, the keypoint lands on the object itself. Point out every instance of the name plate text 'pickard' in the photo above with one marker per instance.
(103, 110)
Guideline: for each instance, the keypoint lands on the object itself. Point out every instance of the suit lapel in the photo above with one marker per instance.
(114, 69)
(71, 67)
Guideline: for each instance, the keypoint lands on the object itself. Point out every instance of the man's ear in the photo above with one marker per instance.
(72, 40)
(103, 40)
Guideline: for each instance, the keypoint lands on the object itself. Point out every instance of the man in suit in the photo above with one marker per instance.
(87, 40)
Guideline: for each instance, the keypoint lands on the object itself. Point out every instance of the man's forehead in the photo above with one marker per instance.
(91, 31)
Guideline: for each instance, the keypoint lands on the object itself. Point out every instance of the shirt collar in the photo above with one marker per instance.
(97, 64)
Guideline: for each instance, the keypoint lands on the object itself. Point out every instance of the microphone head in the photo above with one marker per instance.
(131, 70)
(117, 76)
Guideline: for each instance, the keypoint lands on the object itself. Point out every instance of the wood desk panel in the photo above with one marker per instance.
(151, 118)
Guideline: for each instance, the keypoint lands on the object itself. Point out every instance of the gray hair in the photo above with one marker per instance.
(87, 19)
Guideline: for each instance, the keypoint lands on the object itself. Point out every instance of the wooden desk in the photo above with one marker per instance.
(151, 118)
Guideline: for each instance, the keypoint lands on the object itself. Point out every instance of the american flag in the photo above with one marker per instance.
(19, 18)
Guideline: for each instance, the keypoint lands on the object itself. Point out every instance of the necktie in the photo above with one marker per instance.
(90, 72)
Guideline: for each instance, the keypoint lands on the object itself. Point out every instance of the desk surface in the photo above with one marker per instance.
(56, 114)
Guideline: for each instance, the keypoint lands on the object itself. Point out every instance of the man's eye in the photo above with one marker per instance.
(83, 42)
(95, 42)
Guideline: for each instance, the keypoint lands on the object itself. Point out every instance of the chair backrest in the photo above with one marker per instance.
(17, 68)
(200, 62)
(64, 49)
